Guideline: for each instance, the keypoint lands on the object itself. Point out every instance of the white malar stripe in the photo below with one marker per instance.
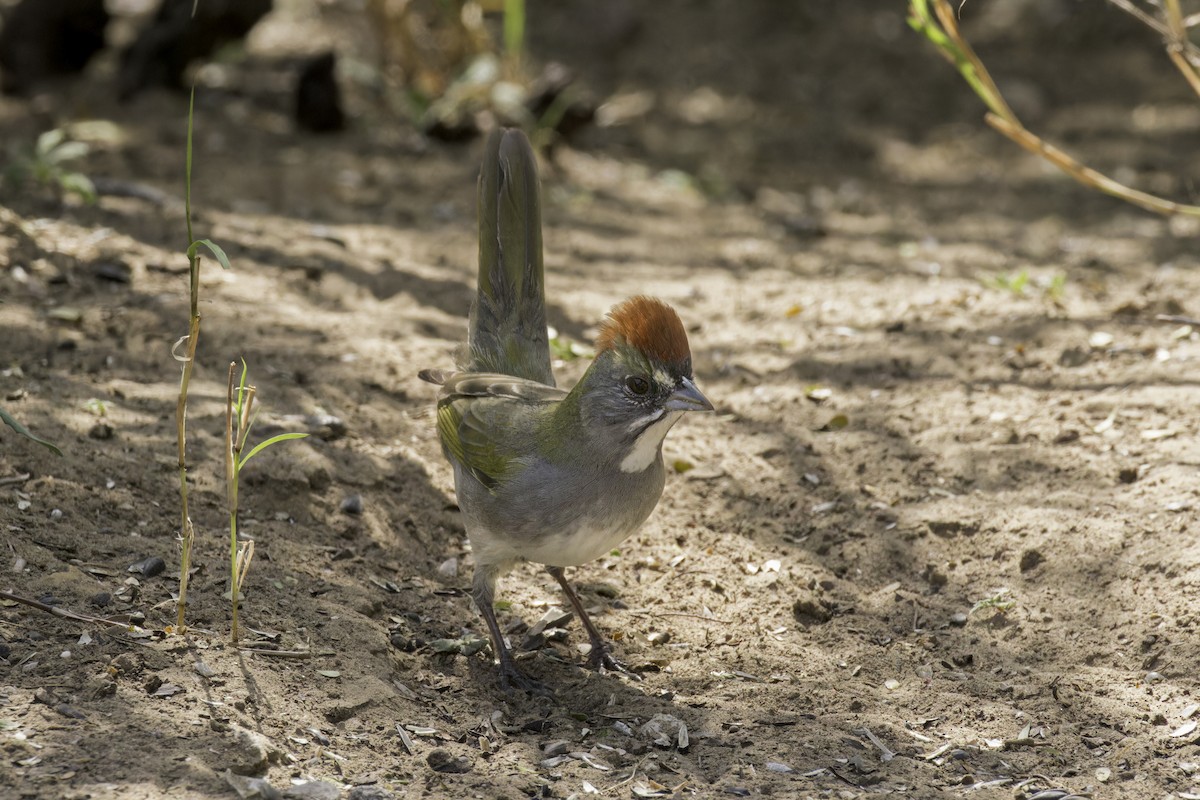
(645, 449)
(641, 422)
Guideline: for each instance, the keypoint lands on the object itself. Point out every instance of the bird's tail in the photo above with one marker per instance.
(508, 321)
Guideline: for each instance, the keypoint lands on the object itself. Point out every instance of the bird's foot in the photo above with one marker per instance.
(513, 678)
(600, 660)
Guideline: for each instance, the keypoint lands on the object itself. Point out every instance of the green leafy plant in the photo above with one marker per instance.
(187, 533)
(998, 601)
(1015, 284)
(239, 419)
(48, 165)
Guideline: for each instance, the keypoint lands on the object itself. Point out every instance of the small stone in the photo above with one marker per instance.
(1074, 357)
(251, 788)
(70, 711)
(440, 760)
(313, 790)
(808, 612)
(370, 793)
(149, 568)
(100, 599)
(251, 752)
(556, 748)
(1067, 436)
(101, 685)
(353, 504)
(1030, 559)
(101, 431)
(958, 619)
(113, 271)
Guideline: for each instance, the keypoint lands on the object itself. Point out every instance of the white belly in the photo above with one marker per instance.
(586, 543)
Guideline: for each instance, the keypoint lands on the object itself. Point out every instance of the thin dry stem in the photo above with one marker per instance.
(231, 487)
(1005, 121)
(1087, 175)
(187, 533)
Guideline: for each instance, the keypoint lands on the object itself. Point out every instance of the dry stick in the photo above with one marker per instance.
(1177, 41)
(1005, 121)
(1177, 319)
(231, 495)
(1087, 175)
(16, 480)
(64, 613)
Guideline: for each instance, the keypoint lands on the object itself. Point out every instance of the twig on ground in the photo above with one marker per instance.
(65, 613)
(15, 480)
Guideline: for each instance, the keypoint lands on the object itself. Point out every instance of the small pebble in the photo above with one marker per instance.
(353, 504)
(149, 568)
(556, 748)
(440, 760)
(101, 431)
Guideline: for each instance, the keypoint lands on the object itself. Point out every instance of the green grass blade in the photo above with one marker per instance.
(187, 171)
(264, 445)
(23, 431)
(213, 248)
(514, 28)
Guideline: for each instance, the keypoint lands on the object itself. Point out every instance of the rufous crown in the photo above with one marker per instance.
(648, 324)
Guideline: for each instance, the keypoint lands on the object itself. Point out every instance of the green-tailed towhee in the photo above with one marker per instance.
(545, 475)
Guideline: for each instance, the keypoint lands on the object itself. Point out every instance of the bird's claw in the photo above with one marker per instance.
(513, 678)
(600, 660)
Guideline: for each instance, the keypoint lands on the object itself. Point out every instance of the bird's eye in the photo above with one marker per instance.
(637, 384)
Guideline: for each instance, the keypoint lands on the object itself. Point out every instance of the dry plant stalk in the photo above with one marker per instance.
(936, 21)
(239, 418)
(237, 427)
(187, 532)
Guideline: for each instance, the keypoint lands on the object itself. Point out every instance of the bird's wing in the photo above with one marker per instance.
(478, 415)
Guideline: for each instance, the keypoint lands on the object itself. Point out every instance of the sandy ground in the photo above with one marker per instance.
(939, 540)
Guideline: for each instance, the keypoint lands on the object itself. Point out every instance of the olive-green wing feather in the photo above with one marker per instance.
(480, 420)
(508, 321)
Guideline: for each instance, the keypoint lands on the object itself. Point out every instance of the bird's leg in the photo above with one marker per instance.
(599, 658)
(483, 592)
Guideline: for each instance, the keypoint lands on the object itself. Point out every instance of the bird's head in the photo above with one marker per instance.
(641, 380)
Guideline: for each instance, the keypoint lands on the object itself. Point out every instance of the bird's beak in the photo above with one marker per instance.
(687, 397)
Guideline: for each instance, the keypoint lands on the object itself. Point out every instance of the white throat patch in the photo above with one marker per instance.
(645, 449)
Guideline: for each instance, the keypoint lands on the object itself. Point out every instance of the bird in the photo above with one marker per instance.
(542, 474)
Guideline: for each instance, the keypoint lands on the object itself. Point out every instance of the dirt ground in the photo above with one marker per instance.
(939, 540)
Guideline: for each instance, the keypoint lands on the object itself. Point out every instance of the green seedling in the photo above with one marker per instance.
(1000, 601)
(48, 165)
(1014, 284)
(239, 419)
(187, 533)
